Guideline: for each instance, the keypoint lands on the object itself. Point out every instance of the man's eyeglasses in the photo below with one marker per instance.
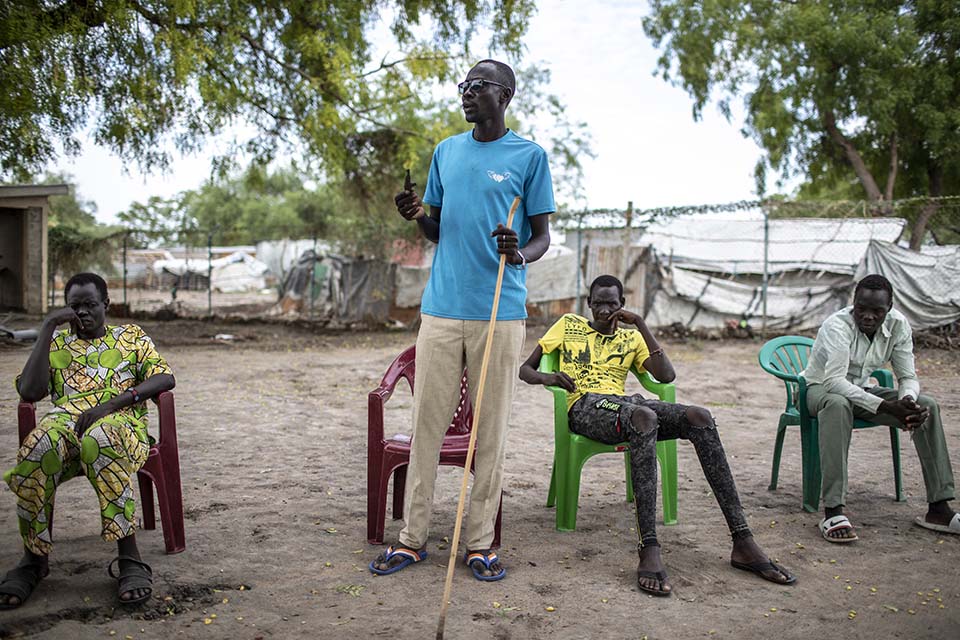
(476, 85)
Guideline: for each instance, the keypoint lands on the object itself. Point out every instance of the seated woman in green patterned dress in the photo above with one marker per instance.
(99, 377)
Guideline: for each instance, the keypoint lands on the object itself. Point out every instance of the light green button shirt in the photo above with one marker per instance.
(843, 357)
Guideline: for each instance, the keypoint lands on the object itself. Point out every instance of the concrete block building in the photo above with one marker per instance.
(24, 210)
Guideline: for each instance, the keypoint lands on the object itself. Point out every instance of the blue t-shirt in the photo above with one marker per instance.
(474, 184)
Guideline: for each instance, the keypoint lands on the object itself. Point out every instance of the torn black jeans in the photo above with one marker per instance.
(608, 419)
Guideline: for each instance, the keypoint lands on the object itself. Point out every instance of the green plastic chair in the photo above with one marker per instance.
(786, 358)
(572, 451)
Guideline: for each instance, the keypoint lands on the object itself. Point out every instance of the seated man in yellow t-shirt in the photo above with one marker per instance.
(595, 358)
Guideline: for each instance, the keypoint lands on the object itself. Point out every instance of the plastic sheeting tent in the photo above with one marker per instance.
(337, 288)
(926, 285)
(552, 277)
(236, 272)
(711, 270)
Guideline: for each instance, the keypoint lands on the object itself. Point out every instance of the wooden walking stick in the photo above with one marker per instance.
(473, 434)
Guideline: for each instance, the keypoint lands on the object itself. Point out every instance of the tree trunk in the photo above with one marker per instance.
(853, 156)
(935, 172)
(892, 175)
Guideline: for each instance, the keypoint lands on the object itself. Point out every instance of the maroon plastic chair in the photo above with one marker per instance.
(387, 458)
(161, 470)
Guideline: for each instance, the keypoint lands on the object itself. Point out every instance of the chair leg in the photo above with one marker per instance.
(399, 488)
(147, 501)
(552, 492)
(667, 454)
(568, 500)
(171, 525)
(777, 450)
(897, 476)
(496, 525)
(810, 448)
(377, 509)
(629, 473)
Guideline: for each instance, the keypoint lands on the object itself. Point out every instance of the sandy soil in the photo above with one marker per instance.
(272, 439)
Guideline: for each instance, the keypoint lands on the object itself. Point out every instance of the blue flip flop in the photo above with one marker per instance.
(410, 556)
(487, 558)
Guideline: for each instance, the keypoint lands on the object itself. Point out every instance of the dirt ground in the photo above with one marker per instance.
(273, 441)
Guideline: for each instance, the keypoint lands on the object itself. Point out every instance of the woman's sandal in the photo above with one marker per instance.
(20, 582)
(137, 574)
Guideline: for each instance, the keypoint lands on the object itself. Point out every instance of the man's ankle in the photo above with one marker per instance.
(830, 512)
(941, 507)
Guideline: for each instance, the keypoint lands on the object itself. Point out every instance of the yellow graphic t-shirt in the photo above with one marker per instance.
(597, 363)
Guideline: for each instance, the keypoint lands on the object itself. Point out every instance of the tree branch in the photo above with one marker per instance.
(853, 156)
(387, 65)
(935, 174)
(270, 55)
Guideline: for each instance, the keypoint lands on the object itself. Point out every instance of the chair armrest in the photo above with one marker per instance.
(786, 377)
(666, 391)
(167, 417)
(884, 377)
(375, 401)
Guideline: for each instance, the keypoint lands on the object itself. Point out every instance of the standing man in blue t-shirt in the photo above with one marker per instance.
(473, 180)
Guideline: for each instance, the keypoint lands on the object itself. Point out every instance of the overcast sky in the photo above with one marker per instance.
(649, 149)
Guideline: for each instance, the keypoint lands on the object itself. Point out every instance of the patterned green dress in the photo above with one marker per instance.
(83, 374)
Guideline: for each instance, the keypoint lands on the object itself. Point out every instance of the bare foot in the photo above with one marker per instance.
(939, 513)
(748, 555)
(651, 575)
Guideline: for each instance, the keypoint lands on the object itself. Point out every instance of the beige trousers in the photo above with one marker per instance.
(444, 348)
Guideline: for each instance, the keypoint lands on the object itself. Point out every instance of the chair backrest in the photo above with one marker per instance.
(786, 357)
(404, 366)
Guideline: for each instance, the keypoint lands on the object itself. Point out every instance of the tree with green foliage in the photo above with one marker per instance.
(256, 205)
(858, 96)
(353, 208)
(143, 73)
(75, 240)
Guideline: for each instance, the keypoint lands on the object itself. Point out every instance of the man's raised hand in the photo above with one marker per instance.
(626, 317)
(408, 202)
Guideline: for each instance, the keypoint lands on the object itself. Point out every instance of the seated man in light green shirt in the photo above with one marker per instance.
(852, 343)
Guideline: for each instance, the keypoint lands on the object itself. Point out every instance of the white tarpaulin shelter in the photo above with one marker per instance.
(552, 277)
(736, 246)
(926, 285)
(711, 269)
(236, 272)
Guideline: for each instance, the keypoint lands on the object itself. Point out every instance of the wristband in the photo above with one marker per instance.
(656, 352)
(136, 396)
(523, 262)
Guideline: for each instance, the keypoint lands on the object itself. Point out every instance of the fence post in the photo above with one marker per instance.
(313, 273)
(766, 274)
(580, 260)
(210, 274)
(125, 268)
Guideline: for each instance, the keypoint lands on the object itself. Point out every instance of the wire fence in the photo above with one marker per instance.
(773, 265)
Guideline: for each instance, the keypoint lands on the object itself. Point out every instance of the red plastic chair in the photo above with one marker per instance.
(161, 470)
(391, 457)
